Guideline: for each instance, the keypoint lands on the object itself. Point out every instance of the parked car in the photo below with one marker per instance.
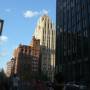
(74, 86)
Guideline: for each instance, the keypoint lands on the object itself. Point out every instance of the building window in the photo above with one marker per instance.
(25, 50)
(21, 49)
(84, 23)
(85, 33)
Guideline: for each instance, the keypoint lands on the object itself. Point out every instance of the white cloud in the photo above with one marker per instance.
(45, 11)
(3, 53)
(30, 13)
(8, 10)
(3, 39)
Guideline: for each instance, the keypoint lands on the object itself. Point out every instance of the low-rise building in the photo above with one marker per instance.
(10, 67)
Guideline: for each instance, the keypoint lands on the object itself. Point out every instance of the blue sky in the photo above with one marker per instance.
(20, 18)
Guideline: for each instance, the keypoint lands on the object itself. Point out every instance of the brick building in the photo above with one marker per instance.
(35, 53)
(27, 59)
(10, 67)
(22, 54)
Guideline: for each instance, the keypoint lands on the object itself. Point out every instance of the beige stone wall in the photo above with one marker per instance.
(46, 32)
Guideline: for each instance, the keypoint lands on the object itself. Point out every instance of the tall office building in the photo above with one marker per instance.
(46, 32)
(73, 40)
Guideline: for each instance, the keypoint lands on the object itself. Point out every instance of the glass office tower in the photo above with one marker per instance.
(73, 40)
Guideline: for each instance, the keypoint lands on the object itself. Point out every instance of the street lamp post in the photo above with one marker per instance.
(1, 26)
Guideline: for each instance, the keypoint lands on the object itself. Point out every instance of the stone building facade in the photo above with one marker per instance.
(45, 31)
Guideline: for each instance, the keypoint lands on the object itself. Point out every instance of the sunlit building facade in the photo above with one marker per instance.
(10, 68)
(45, 31)
(27, 59)
(23, 58)
(35, 53)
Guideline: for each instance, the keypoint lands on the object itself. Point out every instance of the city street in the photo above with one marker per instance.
(44, 44)
(35, 85)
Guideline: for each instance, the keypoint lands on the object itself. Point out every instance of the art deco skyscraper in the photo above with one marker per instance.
(46, 32)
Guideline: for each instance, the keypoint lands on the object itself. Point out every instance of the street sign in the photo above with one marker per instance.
(1, 26)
